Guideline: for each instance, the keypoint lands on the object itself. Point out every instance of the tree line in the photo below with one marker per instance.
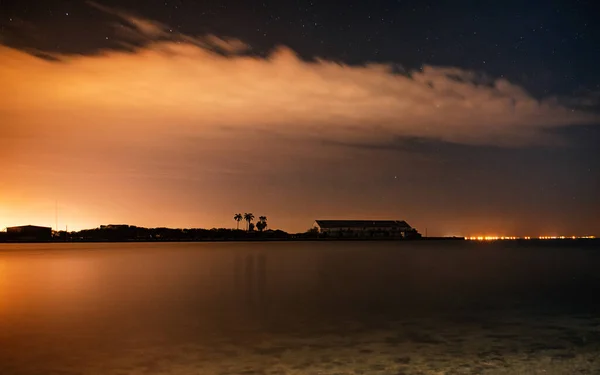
(261, 225)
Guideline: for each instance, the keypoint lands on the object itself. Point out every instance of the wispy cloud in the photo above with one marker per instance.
(169, 82)
(132, 26)
(137, 29)
(202, 83)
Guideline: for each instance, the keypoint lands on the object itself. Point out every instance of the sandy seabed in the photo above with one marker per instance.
(516, 345)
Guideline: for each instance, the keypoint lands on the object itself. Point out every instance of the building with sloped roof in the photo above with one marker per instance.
(365, 228)
(29, 233)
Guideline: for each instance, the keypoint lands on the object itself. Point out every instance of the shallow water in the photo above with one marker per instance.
(423, 307)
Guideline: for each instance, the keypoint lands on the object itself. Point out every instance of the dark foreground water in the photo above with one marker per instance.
(301, 308)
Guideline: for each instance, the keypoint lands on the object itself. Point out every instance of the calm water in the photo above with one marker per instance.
(296, 308)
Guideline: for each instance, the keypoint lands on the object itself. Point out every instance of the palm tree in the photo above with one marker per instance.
(248, 217)
(238, 218)
(262, 223)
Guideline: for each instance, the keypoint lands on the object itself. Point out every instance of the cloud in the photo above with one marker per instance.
(133, 27)
(174, 82)
(228, 45)
(140, 30)
(147, 28)
(205, 84)
(118, 108)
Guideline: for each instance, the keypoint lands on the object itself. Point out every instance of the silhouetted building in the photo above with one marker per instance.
(114, 226)
(365, 228)
(29, 233)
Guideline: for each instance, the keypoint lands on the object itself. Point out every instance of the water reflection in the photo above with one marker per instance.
(96, 300)
(250, 280)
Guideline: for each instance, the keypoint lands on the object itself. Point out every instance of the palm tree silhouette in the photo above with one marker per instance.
(262, 223)
(238, 218)
(248, 217)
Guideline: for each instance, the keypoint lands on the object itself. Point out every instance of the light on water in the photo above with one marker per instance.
(425, 307)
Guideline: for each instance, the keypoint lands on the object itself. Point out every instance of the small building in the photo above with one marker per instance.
(115, 226)
(29, 233)
(365, 228)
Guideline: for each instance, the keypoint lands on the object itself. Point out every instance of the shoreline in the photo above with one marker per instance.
(578, 240)
(243, 240)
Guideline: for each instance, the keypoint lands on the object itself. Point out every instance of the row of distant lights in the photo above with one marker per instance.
(494, 238)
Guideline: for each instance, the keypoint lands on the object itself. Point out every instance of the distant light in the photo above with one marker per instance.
(504, 238)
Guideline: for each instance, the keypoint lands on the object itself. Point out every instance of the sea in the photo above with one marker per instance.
(306, 307)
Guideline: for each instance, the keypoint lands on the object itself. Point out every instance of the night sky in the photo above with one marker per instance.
(465, 118)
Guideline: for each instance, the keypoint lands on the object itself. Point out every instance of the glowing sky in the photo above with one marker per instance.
(184, 131)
